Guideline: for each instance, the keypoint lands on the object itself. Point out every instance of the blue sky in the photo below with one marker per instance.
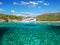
(29, 7)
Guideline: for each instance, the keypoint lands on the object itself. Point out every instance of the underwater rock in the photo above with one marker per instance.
(55, 27)
(3, 30)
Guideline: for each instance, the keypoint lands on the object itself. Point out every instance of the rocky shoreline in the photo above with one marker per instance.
(9, 20)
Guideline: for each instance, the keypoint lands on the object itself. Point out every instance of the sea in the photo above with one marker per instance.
(18, 33)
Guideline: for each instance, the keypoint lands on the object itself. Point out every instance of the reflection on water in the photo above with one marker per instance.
(29, 34)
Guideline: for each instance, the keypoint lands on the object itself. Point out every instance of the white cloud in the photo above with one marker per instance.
(1, 3)
(46, 4)
(15, 3)
(24, 3)
(33, 3)
(2, 10)
(12, 11)
(30, 3)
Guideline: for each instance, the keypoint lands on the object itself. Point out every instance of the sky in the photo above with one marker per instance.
(29, 7)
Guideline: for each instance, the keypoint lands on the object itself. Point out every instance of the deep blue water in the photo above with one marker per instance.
(29, 33)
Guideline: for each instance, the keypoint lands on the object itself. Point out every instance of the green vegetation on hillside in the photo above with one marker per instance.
(44, 17)
(4, 16)
(49, 17)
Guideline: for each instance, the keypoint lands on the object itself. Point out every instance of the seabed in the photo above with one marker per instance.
(29, 34)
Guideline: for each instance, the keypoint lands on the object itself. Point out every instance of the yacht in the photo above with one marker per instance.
(29, 19)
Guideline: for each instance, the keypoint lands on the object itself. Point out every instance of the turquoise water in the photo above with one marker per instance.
(29, 33)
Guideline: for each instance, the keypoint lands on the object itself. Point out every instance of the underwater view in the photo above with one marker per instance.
(29, 33)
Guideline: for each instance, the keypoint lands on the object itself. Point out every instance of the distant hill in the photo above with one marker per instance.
(4, 16)
(43, 17)
(49, 17)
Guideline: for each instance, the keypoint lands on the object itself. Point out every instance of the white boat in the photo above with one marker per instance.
(29, 19)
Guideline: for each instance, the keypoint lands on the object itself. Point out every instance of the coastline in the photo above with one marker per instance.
(15, 20)
(46, 21)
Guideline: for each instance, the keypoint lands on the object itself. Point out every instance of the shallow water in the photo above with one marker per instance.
(29, 33)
